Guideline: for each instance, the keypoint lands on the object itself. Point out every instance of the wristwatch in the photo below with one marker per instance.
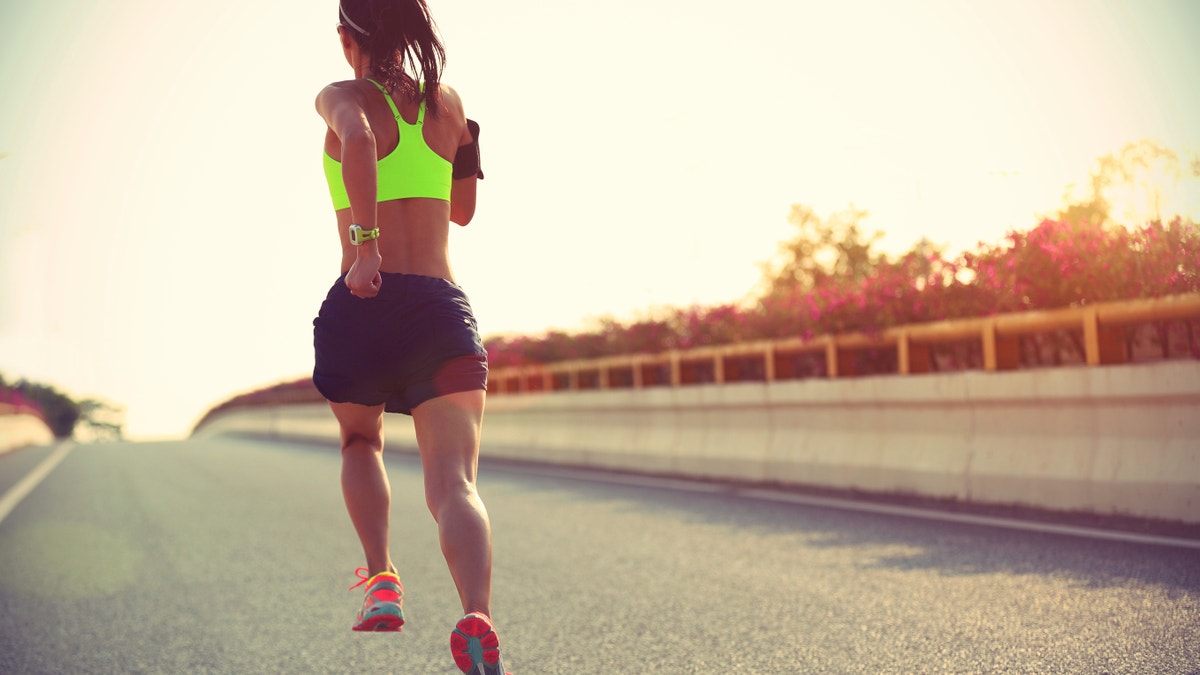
(359, 236)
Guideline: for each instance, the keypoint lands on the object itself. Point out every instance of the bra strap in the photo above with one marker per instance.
(421, 107)
(391, 103)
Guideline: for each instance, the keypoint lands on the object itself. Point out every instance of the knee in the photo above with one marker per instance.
(354, 443)
(443, 493)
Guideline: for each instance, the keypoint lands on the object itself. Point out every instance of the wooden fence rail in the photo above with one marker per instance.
(1101, 326)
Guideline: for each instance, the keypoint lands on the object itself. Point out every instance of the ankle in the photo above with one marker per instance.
(380, 568)
(485, 612)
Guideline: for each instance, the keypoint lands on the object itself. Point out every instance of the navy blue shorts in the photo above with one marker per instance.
(415, 341)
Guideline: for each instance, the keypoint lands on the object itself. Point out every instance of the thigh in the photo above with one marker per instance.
(361, 422)
(448, 430)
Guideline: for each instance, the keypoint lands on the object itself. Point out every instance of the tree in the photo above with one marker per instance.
(58, 410)
(63, 414)
(834, 249)
(106, 420)
(1138, 173)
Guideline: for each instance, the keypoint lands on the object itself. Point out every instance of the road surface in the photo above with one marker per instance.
(234, 556)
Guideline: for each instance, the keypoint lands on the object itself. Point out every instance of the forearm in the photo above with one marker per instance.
(462, 200)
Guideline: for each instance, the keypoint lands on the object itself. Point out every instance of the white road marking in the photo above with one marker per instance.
(31, 481)
(969, 519)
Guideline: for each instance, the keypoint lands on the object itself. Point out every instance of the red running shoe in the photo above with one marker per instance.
(475, 647)
(381, 607)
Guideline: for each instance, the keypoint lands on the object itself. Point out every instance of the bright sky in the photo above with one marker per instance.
(166, 236)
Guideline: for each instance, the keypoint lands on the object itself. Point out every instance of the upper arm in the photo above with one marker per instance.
(342, 109)
(453, 106)
(354, 147)
(463, 190)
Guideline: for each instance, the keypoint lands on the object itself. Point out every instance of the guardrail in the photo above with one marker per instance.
(1100, 325)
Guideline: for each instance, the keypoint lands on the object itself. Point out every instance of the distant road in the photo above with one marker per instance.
(233, 556)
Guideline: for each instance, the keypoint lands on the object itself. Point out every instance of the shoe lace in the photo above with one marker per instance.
(361, 573)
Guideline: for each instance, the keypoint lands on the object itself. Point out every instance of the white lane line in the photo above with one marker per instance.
(867, 507)
(966, 518)
(31, 481)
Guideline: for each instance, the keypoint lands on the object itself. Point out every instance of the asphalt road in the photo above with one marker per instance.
(234, 556)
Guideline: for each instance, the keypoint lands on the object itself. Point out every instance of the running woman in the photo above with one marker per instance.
(395, 333)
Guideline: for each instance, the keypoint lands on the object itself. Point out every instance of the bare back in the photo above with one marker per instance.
(414, 232)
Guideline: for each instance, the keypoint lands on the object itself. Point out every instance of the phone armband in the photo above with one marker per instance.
(466, 160)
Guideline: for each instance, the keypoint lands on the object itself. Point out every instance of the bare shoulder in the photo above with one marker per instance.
(451, 101)
(346, 91)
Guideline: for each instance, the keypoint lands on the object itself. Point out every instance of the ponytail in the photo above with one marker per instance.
(402, 40)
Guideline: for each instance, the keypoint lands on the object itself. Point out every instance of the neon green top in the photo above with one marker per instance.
(411, 170)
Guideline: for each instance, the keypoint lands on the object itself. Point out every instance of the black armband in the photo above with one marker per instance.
(466, 161)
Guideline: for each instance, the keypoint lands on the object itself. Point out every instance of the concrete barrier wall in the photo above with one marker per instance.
(19, 431)
(1108, 440)
(310, 422)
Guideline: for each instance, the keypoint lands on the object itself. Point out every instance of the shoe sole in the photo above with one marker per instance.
(475, 646)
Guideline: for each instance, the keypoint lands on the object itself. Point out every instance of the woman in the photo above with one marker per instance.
(395, 333)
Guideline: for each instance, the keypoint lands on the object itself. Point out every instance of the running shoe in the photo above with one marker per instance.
(381, 607)
(475, 647)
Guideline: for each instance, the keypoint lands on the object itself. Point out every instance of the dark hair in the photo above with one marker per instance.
(401, 39)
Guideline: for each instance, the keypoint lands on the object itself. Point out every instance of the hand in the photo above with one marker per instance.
(364, 279)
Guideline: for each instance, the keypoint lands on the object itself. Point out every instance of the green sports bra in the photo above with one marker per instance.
(411, 170)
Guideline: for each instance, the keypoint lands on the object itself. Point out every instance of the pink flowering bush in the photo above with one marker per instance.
(13, 402)
(1055, 264)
